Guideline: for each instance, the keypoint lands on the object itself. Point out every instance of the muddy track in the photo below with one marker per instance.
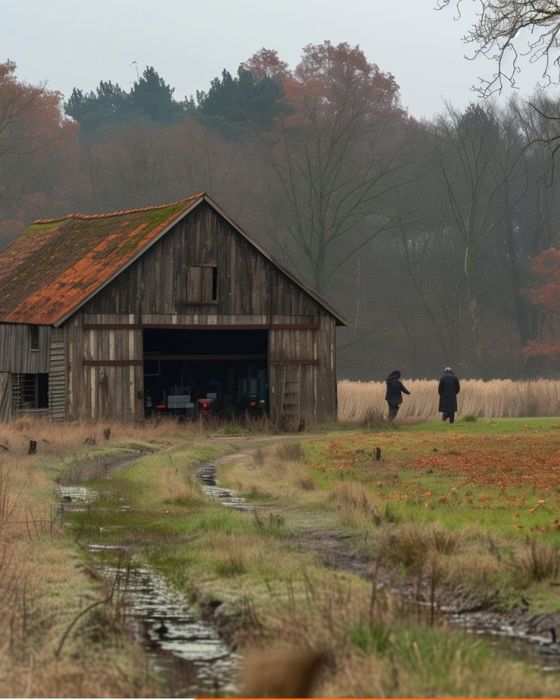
(104, 465)
(454, 604)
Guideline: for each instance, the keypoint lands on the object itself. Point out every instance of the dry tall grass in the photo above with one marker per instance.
(43, 588)
(498, 398)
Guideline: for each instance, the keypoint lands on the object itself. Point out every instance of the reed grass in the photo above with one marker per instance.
(497, 398)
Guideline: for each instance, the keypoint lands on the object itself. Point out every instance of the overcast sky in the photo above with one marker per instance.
(71, 43)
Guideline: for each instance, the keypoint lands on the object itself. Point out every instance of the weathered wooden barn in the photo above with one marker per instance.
(171, 309)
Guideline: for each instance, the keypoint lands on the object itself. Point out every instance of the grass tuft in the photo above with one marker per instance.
(410, 545)
(538, 561)
(290, 451)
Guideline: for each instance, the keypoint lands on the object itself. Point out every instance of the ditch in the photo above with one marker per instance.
(184, 650)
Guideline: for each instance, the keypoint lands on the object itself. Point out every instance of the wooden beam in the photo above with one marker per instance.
(112, 363)
(112, 326)
(207, 357)
(202, 326)
(294, 362)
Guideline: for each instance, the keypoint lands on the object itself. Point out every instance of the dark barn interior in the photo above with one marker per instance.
(205, 372)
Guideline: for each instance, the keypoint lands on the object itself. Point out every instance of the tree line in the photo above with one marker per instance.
(433, 237)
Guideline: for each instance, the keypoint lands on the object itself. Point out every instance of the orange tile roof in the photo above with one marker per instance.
(51, 268)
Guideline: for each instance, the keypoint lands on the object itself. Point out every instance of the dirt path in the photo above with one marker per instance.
(103, 465)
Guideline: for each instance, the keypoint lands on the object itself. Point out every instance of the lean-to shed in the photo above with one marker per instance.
(165, 309)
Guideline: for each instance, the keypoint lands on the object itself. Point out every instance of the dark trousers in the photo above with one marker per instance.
(450, 415)
(393, 409)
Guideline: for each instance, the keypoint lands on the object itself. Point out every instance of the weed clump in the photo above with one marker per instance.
(259, 457)
(274, 522)
(291, 452)
(411, 545)
(306, 483)
(537, 562)
(374, 418)
(372, 638)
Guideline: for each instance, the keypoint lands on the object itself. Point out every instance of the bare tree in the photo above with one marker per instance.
(509, 32)
(335, 159)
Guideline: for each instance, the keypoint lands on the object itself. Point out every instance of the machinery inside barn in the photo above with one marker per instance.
(205, 372)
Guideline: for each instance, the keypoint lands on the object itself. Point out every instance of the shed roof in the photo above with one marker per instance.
(56, 265)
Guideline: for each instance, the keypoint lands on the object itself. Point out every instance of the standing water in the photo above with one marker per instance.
(184, 652)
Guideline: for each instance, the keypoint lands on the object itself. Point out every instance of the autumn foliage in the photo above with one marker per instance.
(38, 151)
(546, 295)
(515, 474)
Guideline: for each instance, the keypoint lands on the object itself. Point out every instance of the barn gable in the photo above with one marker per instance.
(205, 249)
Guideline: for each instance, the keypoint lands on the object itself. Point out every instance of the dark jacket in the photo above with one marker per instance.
(395, 389)
(448, 389)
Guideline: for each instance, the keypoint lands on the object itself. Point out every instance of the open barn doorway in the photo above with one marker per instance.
(206, 372)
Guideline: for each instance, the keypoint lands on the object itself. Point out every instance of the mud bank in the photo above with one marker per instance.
(520, 634)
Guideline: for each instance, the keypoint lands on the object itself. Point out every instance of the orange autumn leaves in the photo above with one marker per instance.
(502, 461)
(514, 480)
(494, 460)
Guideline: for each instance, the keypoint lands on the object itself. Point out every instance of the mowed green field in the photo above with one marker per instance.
(472, 506)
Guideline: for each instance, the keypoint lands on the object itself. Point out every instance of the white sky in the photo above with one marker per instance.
(71, 43)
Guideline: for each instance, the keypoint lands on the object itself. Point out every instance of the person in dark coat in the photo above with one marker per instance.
(448, 389)
(393, 395)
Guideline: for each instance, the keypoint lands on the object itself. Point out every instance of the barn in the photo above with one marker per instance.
(169, 309)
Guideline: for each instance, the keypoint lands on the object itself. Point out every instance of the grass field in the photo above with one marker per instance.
(472, 505)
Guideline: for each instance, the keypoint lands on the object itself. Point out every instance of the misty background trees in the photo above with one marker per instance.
(423, 233)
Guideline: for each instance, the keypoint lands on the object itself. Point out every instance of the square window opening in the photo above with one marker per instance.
(202, 284)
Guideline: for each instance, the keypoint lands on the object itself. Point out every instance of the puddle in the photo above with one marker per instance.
(182, 650)
(206, 474)
(75, 499)
(536, 649)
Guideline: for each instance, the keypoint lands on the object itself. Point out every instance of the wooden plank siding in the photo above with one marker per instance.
(104, 339)
(5, 396)
(248, 284)
(16, 355)
(105, 372)
(58, 385)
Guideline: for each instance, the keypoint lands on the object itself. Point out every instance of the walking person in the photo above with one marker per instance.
(448, 389)
(393, 395)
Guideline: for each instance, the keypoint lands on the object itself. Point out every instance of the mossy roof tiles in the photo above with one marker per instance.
(56, 265)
